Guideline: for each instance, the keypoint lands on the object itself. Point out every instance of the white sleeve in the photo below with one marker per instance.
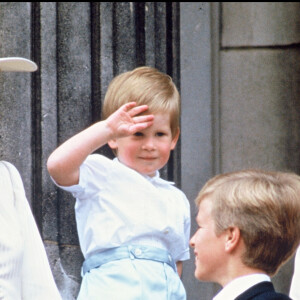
(11, 241)
(184, 253)
(92, 177)
(187, 230)
(29, 270)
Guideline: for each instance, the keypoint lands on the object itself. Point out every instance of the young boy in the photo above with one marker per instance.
(249, 225)
(133, 226)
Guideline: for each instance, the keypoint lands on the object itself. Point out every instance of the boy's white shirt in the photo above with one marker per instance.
(295, 285)
(239, 285)
(116, 212)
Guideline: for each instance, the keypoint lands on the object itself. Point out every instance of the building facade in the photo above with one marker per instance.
(236, 65)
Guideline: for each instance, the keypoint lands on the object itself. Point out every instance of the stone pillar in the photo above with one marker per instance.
(79, 47)
(15, 104)
(259, 80)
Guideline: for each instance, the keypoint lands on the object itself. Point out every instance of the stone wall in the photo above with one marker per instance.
(236, 65)
(260, 91)
(240, 86)
(79, 47)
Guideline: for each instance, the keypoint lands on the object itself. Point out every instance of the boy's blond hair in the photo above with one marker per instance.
(265, 206)
(144, 85)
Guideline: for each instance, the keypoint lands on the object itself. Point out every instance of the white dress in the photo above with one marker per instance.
(24, 268)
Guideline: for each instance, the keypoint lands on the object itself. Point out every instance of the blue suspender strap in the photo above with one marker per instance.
(130, 251)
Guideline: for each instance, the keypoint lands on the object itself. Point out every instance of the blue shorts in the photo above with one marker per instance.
(131, 273)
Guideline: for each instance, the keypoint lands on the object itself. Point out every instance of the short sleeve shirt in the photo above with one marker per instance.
(115, 205)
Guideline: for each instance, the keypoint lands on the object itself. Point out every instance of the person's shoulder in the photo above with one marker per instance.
(8, 165)
(271, 296)
(10, 168)
(100, 164)
(95, 157)
(97, 160)
(262, 291)
(177, 190)
(180, 195)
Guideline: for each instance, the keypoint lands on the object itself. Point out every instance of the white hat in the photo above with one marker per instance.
(17, 64)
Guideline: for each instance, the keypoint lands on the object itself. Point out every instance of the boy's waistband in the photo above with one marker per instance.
(129, 251)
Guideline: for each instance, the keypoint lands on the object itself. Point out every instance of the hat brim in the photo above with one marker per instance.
(17, 64)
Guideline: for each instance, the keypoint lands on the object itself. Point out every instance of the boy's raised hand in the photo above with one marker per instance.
(125, 121)
(64, 163)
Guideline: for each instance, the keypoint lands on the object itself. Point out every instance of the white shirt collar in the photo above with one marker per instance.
(156, 179)
(240, 285)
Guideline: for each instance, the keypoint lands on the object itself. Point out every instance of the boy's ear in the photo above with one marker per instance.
(233, 237)
(175, 139)
(112, 144)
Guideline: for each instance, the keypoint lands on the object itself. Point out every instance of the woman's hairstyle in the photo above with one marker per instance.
(265, 206)
(144, 85)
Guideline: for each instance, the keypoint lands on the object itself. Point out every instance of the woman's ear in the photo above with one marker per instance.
(175, 139)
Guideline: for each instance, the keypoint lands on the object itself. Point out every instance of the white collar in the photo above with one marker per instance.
(240, 285)
(156, 179)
